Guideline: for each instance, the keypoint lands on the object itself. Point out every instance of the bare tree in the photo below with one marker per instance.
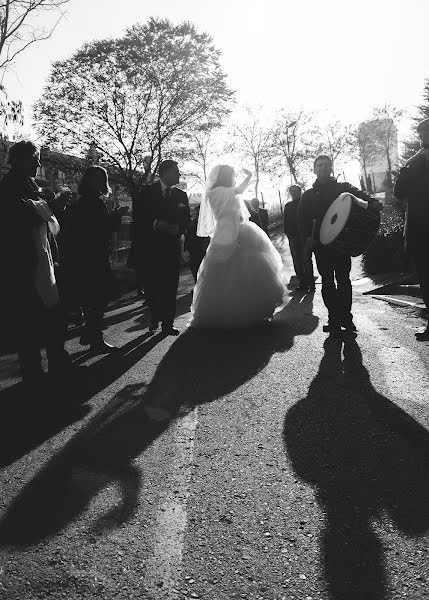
(335, 140)
(10, 113)
(365, 149)
(253, 141)
(385, 135)
(23, 22)
(135, 98)
(203, 148)
(294, 141)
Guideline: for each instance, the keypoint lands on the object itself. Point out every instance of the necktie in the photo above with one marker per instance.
(168, 193)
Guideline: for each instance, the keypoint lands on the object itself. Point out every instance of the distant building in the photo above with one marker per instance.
(378, 153)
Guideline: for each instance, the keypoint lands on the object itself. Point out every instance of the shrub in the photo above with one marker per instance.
(386, 254)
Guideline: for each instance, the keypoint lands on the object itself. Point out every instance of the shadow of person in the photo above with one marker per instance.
(30, 419)
(183, 305)
(298, 313)
(366, 459)
(199, 367)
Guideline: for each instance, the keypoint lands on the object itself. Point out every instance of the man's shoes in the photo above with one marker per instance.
(312, 288)
(102, 347)
(170, 331)
(302, 288)
(423, 336)
(153, 326)
(332, 328)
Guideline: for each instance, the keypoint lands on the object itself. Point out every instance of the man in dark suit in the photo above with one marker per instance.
(161, 216)
(302, 260)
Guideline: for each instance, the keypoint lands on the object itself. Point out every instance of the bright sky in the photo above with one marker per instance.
(340, 57)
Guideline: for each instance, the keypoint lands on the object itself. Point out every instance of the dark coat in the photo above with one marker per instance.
(316, 201)
(86, 247)
(263, 215)
(19, 218)
(290, 219)
(412, 185)
(255, 218)
(149, 206)
(194, 244)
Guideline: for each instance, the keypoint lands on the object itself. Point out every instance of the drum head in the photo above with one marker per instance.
(335, 218)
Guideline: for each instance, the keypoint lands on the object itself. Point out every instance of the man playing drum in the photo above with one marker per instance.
(333, 266)
(412, 186)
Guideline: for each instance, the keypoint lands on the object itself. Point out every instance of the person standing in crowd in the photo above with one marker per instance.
(63, 208)
(333, 266)
(87, 255)
(259, 215)
(30, 308)
(302, 262)
(161, 216)
(412, 186)
(254, 212)
(195, 245)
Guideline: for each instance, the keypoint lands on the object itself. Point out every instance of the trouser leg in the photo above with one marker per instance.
(151, 277)
(169, 287)
(421, 264)
(343, 265)
(297, 258)
(325, 266)
(93, 324)
(308, 268)
(194, 264)
(56, 322)
(28, 317)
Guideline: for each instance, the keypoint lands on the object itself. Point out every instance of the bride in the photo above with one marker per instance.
(239, 282)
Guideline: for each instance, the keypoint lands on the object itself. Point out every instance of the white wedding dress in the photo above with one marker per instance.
(240, 280)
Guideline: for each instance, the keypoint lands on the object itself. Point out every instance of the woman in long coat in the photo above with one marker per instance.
(88, 253)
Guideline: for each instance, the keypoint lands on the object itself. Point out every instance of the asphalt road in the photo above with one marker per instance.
(294, 465)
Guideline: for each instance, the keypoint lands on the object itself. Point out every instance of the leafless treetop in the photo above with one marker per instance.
(23, 22)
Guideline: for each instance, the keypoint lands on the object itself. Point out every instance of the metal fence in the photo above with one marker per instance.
(120, 242)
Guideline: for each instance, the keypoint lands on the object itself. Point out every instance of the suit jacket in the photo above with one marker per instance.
(149, 206)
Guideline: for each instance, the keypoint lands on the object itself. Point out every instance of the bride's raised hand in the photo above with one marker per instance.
(247, 172)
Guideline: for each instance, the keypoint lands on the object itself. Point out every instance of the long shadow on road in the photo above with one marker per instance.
(198, 368)
(28, 420)
(366, 458)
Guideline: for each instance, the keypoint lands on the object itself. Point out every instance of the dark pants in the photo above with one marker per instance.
(419, 257)
(194, 263)
(334, 269)
(96, 288)
(34, 325)
(161, 279)
(302, 263)
(93, 329)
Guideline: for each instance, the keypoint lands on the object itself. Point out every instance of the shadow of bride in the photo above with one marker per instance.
(199, 367)
(366, 458)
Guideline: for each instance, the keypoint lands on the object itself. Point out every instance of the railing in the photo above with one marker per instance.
(121, 240)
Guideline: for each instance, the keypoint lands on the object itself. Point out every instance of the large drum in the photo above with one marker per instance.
(349, 225)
